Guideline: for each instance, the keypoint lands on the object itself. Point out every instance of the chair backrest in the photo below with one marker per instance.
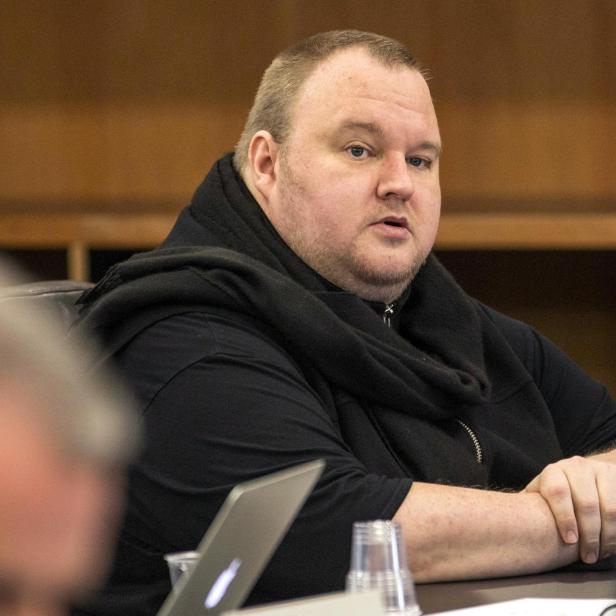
(56, 297)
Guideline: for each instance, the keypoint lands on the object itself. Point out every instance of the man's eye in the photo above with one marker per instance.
(416, 161)
(357, 151)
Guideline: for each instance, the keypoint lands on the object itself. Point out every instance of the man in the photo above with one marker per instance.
(63, 439)
(295, 311)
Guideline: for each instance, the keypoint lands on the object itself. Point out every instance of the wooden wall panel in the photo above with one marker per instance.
(510, 154)
(105, 100)
(101, 156)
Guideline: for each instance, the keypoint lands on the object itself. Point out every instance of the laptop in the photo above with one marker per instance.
(240, 541)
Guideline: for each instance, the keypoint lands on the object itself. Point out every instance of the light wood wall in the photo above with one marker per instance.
(109, 102)
(112, 107)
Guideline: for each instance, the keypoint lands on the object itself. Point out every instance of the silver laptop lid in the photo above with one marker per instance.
(240, 541)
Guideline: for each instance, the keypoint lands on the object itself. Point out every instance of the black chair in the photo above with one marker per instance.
(56, 297)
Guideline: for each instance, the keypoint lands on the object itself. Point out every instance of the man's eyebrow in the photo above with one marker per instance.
(369, 127)
(436, 148)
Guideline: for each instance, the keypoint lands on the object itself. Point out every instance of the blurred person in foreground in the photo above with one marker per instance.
(64, 440)
(296, 311)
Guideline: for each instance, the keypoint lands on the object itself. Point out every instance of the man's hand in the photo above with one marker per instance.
(581, 493)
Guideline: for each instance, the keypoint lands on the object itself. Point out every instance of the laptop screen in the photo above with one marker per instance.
(240, 541)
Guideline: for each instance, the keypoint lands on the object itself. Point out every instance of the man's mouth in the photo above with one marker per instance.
(393, 227)
(395, 222)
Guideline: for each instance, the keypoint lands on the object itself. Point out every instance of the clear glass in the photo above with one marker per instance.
(179, 563)
(378, 561)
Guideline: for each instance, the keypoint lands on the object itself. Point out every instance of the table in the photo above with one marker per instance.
(439, 597)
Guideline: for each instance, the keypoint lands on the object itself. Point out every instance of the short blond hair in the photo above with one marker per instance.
(282, 80)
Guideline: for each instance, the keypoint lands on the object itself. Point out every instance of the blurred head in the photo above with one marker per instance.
(350, 176)
(64, 439)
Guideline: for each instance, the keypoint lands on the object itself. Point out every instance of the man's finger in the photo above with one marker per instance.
(606, 487)
(554, 487)
(582, 479)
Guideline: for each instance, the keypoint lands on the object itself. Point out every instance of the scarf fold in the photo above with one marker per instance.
(224, 253)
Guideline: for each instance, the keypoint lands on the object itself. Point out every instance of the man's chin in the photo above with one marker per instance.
(381, 288)
(388, 275)
(386, 282)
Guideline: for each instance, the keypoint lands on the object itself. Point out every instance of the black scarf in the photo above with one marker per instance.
(224, 254)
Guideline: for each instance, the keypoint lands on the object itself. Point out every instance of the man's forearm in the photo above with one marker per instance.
(461, 533)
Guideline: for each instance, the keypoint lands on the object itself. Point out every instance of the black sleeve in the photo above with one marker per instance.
(226, 404)
(583, 411)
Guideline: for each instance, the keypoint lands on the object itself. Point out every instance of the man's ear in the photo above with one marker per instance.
(263, 154)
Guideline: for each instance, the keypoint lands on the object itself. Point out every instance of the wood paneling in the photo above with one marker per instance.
(108, 100)
(527, 231)
(111, 153)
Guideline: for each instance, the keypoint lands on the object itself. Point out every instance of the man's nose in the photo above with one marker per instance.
(395, 179)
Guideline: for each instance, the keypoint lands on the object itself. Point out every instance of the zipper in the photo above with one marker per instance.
(474, 439)
(388, 313)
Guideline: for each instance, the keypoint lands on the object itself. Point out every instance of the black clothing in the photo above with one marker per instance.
(244, 361)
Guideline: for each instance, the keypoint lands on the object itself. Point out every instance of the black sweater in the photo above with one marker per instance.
(245, 361)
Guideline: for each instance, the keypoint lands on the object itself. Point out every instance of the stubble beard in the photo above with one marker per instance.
(362, 278)
(385, 286)
(346, 270)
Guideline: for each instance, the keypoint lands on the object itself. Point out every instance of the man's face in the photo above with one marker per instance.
(57, 516)
(357, 192)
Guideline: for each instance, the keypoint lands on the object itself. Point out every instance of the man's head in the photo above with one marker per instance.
(281, 82)
(351, 183)
(64, 437)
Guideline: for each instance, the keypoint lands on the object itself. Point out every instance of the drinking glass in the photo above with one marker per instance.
(179, 563)
(378, 561)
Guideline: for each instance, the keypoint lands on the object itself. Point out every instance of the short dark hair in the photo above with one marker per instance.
(289, 70)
